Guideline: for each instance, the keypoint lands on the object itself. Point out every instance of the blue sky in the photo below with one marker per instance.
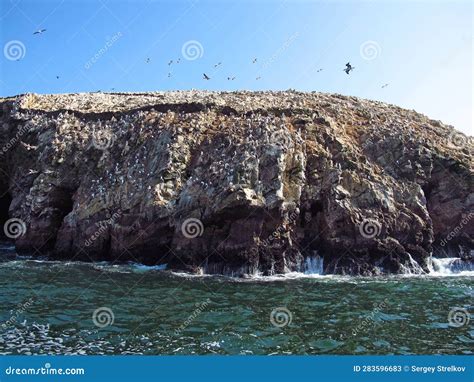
(423, 50)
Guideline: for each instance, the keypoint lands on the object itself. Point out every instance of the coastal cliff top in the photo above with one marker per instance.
(349, 115)
(240, 101)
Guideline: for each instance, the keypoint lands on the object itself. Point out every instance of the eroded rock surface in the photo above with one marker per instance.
(235, 183)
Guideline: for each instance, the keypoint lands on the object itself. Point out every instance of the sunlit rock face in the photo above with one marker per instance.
(235, 183)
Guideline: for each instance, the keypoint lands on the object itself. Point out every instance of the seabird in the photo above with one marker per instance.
(254, 61)
(319, 70)
(39, 31)
(169, 75)
(218, 64)
(169, 63)
(384, 86)
(205, 76)
(57, 77)
(348, 68)
(230, 78)
(258, 78)
(148, 60)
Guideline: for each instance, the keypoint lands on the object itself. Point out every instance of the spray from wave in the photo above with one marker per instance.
(451, 266)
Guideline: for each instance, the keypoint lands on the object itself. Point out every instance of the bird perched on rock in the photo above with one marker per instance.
(205, 76)
(39, 31)
(28, 146)
(348, 68)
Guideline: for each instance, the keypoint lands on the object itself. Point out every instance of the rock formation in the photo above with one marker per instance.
(234, 183)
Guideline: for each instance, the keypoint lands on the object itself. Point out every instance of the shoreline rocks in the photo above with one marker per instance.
(235, 183)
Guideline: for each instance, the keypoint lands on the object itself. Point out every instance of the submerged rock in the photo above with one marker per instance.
(235, 183)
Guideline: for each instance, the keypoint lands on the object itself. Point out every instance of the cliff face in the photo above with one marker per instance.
(234, 182)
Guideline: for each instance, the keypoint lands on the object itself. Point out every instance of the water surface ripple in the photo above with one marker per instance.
(48, 308)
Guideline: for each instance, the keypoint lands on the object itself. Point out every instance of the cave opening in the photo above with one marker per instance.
(5, 201)
(64, 204)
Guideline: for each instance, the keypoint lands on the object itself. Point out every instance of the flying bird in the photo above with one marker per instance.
(57, 77)
(147, 60)
(169, 75)
(169, 63)
(205, 76)
(319, 70)
(258, 78)
(348, 68)
(254, 61)
(384, 86)
(218, 64)
(230, 78)
(39, 31)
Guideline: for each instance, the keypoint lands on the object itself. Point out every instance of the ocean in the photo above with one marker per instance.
(49, 307)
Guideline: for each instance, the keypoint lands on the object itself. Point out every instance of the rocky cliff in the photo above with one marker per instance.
(234, 183)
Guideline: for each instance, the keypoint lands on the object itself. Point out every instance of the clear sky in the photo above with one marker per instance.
(423, 50)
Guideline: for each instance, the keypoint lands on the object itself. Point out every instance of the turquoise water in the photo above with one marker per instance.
(48, 308)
